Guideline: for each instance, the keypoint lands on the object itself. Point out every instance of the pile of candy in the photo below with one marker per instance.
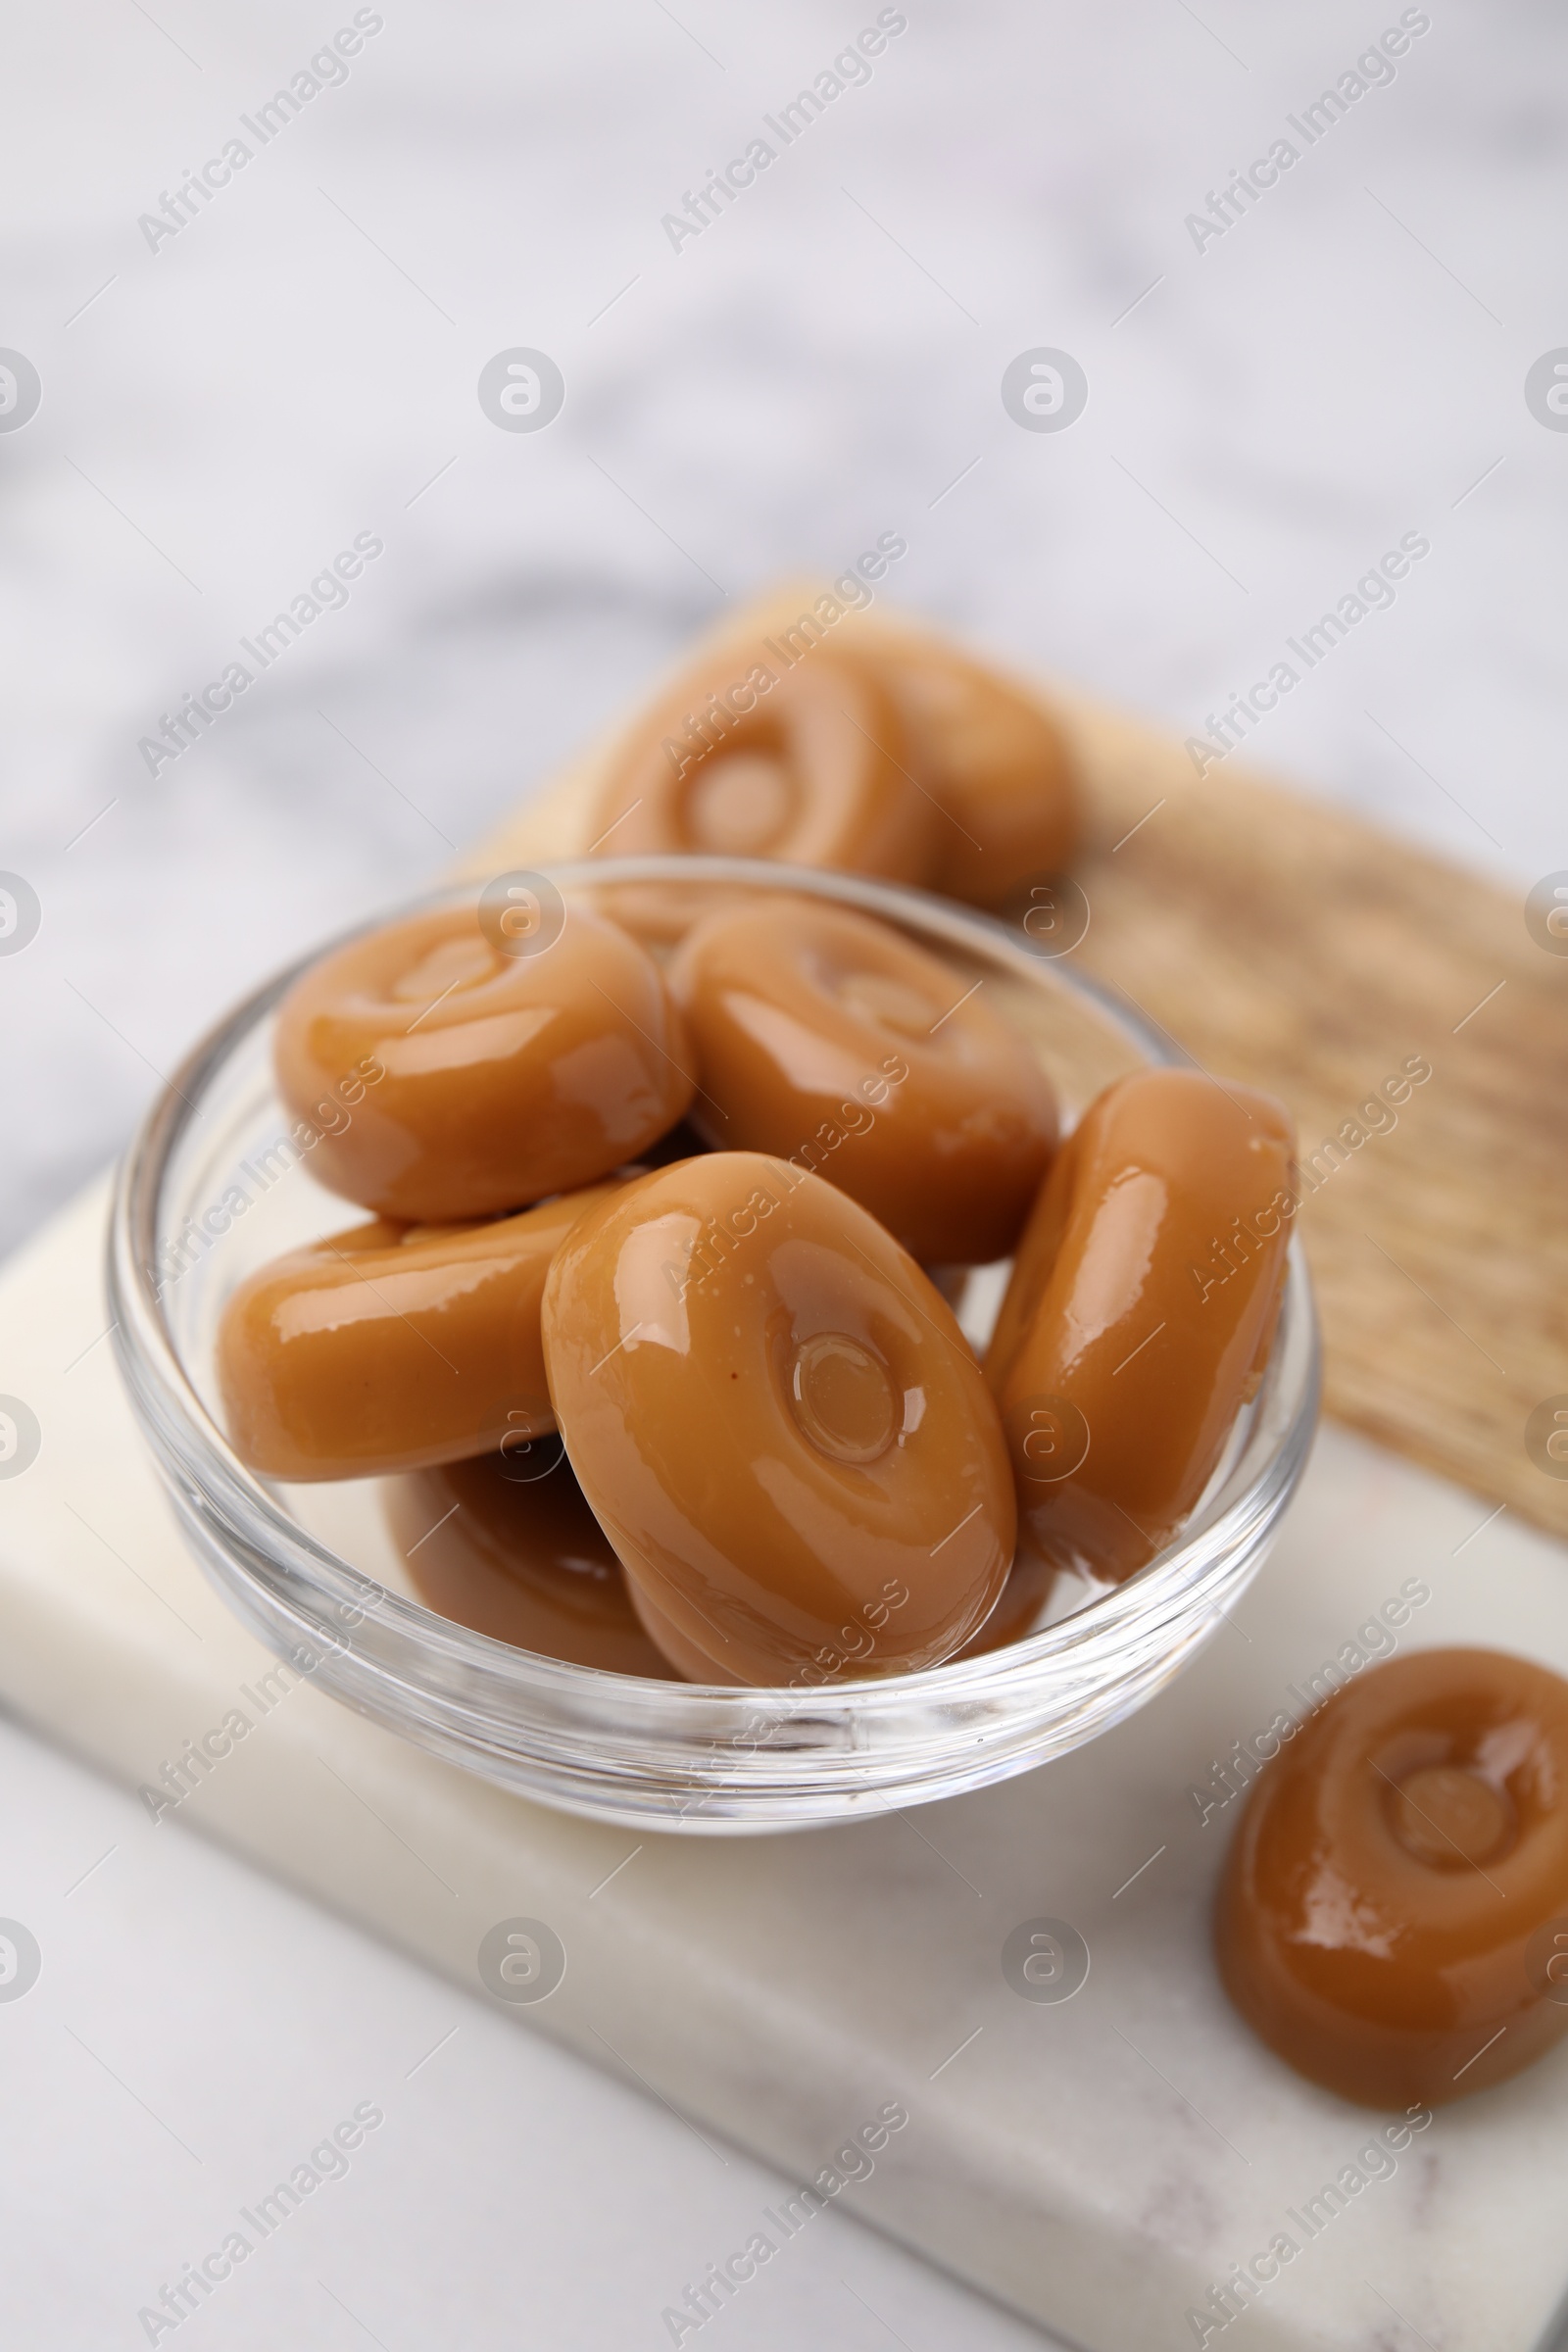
(695, 1186)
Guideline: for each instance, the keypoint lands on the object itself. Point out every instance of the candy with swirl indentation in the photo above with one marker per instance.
(779, 1425)
(504, 1077)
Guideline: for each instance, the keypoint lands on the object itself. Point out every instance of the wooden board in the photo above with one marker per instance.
(1287, 944)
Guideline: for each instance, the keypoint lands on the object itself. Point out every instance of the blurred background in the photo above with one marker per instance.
(204, 399)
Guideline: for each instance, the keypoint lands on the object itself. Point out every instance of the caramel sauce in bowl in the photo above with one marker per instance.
(220, 1180)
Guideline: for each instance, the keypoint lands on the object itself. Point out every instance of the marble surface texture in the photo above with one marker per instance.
(220, 416)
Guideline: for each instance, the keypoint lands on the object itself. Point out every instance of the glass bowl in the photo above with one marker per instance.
(207, 1195)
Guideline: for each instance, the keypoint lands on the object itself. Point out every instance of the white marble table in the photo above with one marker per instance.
(299, 365)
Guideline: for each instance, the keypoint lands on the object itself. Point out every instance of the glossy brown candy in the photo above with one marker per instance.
(993, 760)
(748, 757)
(388, 1347)
(508, 1545)
(1140, 1311)
(658, 914)
(1393, 1917)
(1020, 1606)
(779, 1425)
(824, 1036)
(508, 1076)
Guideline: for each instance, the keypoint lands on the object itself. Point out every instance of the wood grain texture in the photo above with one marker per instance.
(1288, 945)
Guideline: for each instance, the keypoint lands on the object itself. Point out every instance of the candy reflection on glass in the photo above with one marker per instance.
(507, 1545)
(1022, 1605)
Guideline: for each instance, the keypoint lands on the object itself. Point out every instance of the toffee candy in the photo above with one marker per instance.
(824, 1036)
(803, 764)
(1393, 1916)
(390, 1349)
(508, 1545)
(779, 1425)
(1141, 1310)
(994, 762)
(1017, 1612)
(507, 1077)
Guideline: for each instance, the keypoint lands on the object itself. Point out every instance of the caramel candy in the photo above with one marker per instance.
(384, 1349)
(508, 1545)
(1140, 1312)
(779, 1425)
(826, 1037)
(748, 759)
(993, 760)
(1394, 1917)
(508, 1075)
(1017, 1612)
